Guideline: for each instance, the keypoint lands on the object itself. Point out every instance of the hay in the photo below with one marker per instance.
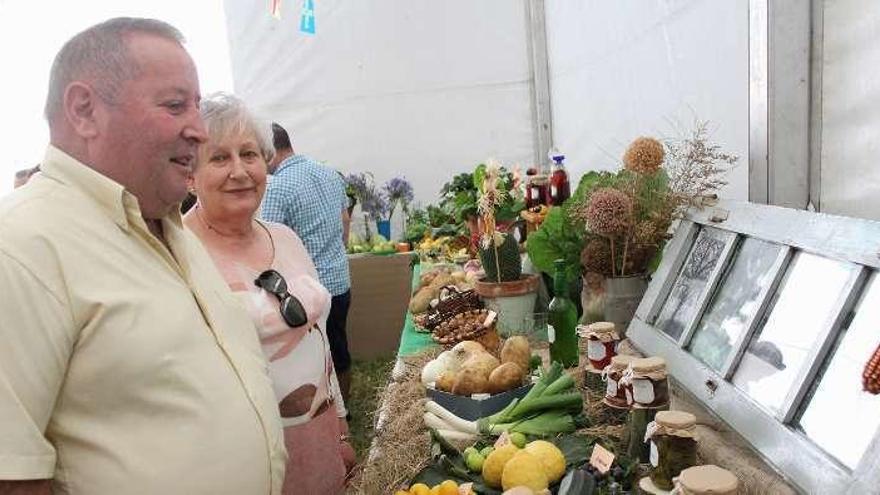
(402, 445)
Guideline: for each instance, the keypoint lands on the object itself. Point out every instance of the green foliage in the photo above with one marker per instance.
(559, 237)
(459, 197)
(508, 266)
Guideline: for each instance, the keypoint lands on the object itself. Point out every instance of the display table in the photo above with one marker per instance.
(380, 291)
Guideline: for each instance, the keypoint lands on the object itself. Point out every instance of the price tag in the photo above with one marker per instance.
(654, 456)
(601, 459)
(595, 350)
(490, 318)
(503, 440)
(551, 334)
(643, 391)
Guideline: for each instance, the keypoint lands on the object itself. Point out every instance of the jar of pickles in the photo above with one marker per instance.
(706, 480)
(645, 383)
(673, 446)
(615, 396)
(602, 340)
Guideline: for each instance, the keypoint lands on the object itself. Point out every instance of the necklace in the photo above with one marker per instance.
(210, 227)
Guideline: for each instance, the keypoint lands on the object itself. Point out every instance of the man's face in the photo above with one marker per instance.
(149, 136)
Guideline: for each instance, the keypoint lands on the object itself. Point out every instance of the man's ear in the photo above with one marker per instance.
(80, 102)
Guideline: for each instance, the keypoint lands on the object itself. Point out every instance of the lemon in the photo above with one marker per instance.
(419, 489)
(493, 467)
(524, 469)
(435, 490)
(448, 487)
(402, 492)
(550, 456)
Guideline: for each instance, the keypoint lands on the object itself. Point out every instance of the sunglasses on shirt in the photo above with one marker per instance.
(291, 308)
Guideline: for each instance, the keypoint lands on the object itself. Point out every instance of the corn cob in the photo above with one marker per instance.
(871, 375)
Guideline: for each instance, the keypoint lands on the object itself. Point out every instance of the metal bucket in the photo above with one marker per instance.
(622, 298)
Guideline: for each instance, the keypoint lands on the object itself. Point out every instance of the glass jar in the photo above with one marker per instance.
(673, 448)
(645, 383)
(615, 396)
(602, 340)
(706, 480)
(537, 191)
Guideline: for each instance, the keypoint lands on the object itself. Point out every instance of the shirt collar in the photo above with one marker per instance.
(119, 204)
(290, 160)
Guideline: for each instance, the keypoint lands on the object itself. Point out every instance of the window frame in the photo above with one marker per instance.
(773, 436)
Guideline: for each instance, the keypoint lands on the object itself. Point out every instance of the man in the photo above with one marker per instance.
(125, 365)
(310, 199)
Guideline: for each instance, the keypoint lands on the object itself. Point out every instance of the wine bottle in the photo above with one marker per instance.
(562, 320)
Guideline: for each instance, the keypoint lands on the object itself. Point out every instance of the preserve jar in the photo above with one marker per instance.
(645, 383)
(673, 446)
(706, 480)
(537, 191)
(615, 396)
(602, 340)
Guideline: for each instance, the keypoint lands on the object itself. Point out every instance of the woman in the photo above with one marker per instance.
(267, 265)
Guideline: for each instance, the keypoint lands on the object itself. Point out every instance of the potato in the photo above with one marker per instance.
(482, 360)
(464, 350)
(470, 380)
(516, 350)
(490, 341)
(446, 381)
(505, 377)
(420, 301)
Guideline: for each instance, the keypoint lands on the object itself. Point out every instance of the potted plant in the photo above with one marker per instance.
(504, 289)
(397, 191)
(627, 216)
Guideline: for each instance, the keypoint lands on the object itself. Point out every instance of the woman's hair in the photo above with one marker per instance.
(226, 115)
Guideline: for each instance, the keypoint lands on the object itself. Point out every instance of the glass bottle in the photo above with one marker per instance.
(560, 188)
(562, 320)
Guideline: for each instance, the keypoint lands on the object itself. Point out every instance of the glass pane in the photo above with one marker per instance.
(681, 305)
(735, 302)
(803, 308)
(841, 417)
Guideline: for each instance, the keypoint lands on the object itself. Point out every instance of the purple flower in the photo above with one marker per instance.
(397, 190)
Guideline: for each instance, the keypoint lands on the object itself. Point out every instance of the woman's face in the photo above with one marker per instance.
(230, 178)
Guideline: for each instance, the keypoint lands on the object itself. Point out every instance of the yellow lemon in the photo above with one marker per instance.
(448, 487)
(524, 469)
(419, 489)
(493, 466)
(402, 492)
(550, 456)
(435, 490)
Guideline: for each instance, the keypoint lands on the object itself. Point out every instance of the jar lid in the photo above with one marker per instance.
(678, 420)
(708, 479)
(601, 327)
(648, 365)
(621, 361)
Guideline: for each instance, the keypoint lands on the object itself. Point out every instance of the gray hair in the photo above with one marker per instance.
(100, 53)
(227, 115)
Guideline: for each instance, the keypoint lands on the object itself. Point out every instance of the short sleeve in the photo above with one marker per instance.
(36, 331)
(274, 208)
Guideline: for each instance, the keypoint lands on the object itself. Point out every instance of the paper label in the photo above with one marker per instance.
(536, 194)
(551, 334)
(503, 440)
(595, 350)
(611, 389)
(601, 459)
(655, 456)
(629, 397)
(643, 391)
(490, 317)
(553, 191)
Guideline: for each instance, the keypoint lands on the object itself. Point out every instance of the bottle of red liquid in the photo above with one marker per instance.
(560, 189)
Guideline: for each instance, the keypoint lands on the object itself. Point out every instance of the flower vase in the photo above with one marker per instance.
(613, 299)
(383, 227)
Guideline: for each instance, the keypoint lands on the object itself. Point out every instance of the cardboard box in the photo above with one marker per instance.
(473, 409)
(380, 290)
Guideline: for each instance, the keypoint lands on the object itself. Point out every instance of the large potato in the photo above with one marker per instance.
(421, 300)
(516, 350)
(446, 381)
(463, 351)
(490, 341)
(482, 361)
(505, 377)
(470, 381)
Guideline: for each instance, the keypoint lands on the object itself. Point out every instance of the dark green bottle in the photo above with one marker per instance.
(562, 318)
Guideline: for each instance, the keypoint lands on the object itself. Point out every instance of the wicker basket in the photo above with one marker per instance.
(455, 301)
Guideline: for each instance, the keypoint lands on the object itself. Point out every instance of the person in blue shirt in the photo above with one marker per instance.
(310, 198)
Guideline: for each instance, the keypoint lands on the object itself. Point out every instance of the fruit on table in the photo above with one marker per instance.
(486, 451)
(493, 467)
(475, 462)
(419, 489)
(507, 376)
(518, 439)
(524, 469)
(551, 458)
(516, 350)
(448, 487)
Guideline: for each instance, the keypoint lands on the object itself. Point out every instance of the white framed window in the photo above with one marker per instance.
(768, 317)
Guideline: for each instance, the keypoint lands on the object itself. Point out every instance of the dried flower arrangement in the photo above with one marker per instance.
(499, 250)
(627, 215)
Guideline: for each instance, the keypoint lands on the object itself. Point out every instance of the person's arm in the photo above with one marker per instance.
(346, 226)
(36, 329)
(29, 487)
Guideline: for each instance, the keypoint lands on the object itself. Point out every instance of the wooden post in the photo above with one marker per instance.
(639, 417)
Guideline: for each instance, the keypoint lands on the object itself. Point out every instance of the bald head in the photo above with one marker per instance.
(99, 56)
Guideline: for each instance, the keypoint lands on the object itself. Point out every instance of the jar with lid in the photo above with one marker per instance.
(645, 383)
(673, 446)
(615, 396)
(706, 480)
(537, 191)
(602, 340)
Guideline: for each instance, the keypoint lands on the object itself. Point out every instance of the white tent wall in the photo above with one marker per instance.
(850, 127)
(622, 69)
(418, 88)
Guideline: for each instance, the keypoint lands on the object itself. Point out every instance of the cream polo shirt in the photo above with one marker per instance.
(124, 368)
